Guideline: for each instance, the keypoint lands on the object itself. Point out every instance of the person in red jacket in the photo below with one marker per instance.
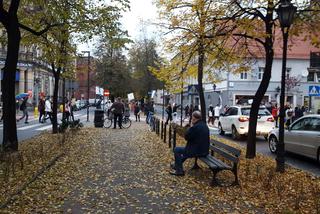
(274, 113)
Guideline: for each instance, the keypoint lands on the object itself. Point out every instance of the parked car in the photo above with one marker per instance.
(301, 137)
(236, 121)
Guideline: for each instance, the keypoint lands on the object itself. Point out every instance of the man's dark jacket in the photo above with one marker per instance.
(118, 108)
(198, 140)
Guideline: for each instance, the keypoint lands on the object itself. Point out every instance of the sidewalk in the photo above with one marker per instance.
(127, 171)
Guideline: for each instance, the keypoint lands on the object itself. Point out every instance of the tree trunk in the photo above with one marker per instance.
(10, 139)
(55, 100)
(200, 77)
(268, 47)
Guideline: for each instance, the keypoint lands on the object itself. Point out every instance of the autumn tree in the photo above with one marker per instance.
(143, 55)
(37, 18)
(113, 71)
(198, 40)
(256, 23)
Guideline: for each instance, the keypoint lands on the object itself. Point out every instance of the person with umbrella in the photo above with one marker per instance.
(23, 108)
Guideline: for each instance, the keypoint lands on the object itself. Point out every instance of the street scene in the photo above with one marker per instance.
(196, 106)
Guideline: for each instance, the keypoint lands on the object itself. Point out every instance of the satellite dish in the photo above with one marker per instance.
(305, 73)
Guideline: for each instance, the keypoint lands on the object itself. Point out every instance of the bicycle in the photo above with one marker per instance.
(126, 122)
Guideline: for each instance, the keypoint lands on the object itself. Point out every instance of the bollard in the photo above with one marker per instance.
(165, 133)
(170, 136)
(161, 130)
(174, 137)
(35, 115)
(158, 127)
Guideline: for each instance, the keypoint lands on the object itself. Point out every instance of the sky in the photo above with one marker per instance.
(141, 11)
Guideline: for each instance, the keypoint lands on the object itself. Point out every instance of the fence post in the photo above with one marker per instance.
(174, 137)
(161, 129)
(165, 133)
(170, 135)
(157, 126)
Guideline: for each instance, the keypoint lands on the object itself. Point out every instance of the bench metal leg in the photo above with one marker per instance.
(214, 181)
(235, 172)
(195, 165)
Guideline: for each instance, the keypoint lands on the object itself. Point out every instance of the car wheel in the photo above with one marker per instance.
(235, 134)
(221, 132)
(273, 144)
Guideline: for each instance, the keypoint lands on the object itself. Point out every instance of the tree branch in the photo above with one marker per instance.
(38, 33)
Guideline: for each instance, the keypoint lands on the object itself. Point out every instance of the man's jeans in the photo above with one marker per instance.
(180, 156)
(117, 117)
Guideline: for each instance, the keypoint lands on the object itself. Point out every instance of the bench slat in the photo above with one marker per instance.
(213, 162)
(224, 154)
(230, 149)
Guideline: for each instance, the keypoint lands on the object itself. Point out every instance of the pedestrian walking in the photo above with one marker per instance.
(48, 110)
(210, 115)
(23, 108)
(41, 109)
(169, 113)
(191, 110)
(137, 112)
(67, 110)
(217, 110)
(289, 116)
(73, 106)
(274, 113)
(186, 111)
(117, 109)
(174, 112)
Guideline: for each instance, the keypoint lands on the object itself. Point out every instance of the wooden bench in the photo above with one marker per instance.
(216, 165)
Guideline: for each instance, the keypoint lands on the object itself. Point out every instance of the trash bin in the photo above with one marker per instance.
(98, 118)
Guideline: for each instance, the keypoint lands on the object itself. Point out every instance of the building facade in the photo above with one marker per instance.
(303, 70)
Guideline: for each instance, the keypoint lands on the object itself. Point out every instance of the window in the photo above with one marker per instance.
(262, 112)
(233, 111)
(310, 77)
(306, 124)
(288, 71)
(244, 75)
(260, 74)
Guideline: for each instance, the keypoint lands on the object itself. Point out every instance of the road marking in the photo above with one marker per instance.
(44, 128)
(29, 127)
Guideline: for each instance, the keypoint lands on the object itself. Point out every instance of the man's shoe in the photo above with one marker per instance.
(177, 173)
(173, 166)
(26, 122)
(114, 128)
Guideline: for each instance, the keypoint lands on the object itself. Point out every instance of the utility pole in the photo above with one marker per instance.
(88, 83)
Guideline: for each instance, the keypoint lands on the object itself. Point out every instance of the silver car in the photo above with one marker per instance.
(301, 137)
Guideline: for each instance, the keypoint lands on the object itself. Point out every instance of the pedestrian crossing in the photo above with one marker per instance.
(21, 126)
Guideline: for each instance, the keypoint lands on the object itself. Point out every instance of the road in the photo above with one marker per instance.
(293, 160)
(33, 128)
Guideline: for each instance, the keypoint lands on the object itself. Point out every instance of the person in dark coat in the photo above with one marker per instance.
(23, 108)
(41, 109)
(137, 111)
(117, 109)
(198, 142)
(169, 112)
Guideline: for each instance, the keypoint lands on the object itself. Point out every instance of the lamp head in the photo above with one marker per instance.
(286, 12)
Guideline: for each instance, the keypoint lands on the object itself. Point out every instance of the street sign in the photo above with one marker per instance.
(106, 93)
(193, 89)
(314, 90)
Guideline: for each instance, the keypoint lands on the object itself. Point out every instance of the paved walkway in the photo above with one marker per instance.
(131, 176)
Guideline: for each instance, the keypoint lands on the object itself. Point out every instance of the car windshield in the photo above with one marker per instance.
(262, 112)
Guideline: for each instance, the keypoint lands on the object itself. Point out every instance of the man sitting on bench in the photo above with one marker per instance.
(198, 141)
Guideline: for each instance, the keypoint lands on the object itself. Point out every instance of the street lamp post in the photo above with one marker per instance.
(285, 12)
(88, 83)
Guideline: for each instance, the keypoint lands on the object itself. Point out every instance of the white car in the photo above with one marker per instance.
(301, 137)
(236, 121)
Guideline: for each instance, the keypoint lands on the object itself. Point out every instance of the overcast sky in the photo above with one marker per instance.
(141, 10)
